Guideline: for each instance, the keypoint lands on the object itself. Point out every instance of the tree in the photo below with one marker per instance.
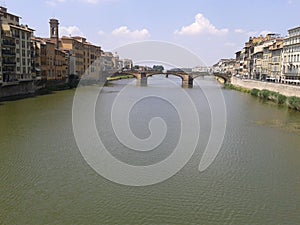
(159, 68)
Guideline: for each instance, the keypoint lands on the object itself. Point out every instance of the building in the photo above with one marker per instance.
(126, 64)
(259, 58)
(225, 66)
(36, 58)
(48, 62)
(275, 62)
(107, 63)
(201, 69)
(85, 55)
(15, 59)
(291, 57)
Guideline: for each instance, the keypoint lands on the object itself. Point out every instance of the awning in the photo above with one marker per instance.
(5, 27)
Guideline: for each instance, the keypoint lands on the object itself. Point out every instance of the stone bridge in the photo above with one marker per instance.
(224, 76)
(142, 76)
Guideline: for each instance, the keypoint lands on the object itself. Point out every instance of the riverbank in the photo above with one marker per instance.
(32, 89)
(284, 89)
(119, 77)
(291, 102)
(17, 92)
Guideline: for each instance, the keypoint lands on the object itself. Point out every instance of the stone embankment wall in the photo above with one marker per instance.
(24, 88)
(287, 90)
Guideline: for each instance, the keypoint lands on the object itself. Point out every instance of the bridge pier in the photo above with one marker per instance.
(187, 81)
(141, 80)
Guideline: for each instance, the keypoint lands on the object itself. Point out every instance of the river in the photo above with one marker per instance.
(254, 179)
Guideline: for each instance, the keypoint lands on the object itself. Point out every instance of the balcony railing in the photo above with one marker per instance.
(8, 63)
(9, 83)
(291, 74)
(8, 43)
(8, 54)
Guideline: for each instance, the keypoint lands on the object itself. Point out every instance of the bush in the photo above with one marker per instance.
(291, 102)
(281, 99)
(254, 92)
(264, 94)
(294, 103)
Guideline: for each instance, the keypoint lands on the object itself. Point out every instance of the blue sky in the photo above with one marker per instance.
(212, 29)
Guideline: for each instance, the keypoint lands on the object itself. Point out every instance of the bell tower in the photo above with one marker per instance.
(54, 35)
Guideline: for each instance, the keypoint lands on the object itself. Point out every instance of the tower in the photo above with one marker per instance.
(54, 35)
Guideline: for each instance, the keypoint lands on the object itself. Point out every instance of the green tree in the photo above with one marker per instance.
(159, 68)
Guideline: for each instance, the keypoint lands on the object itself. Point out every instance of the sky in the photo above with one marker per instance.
(211, 29)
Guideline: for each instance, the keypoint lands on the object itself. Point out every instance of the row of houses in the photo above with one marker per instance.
(24, 57)
(269, 58)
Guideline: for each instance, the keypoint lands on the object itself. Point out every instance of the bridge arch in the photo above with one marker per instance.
(180, 75)
(187, 80)
(225, 77)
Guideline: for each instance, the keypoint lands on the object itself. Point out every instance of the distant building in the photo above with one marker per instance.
(83, 58)
(49, 61)
(276, 60)
(201, 69)
(107, 63)
(226, 66)
(291, 57)
(15, 54)
(126, 63)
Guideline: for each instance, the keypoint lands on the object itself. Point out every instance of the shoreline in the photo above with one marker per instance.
(119, 77)
(51, 88)
(291, 102)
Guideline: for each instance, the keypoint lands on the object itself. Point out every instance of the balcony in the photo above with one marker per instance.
(10, 83)
(291, 74)
(8, 63)
(8, 43)
(8, 55)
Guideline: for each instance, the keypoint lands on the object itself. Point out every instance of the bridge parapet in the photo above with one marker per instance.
(187, 78)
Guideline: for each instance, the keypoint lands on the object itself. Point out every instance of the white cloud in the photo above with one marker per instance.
(97, 1)
(71, 30)
(136, 34)
(239, 31)
(90, 1)
(53, 3)
(201, 25)
(101, 32)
